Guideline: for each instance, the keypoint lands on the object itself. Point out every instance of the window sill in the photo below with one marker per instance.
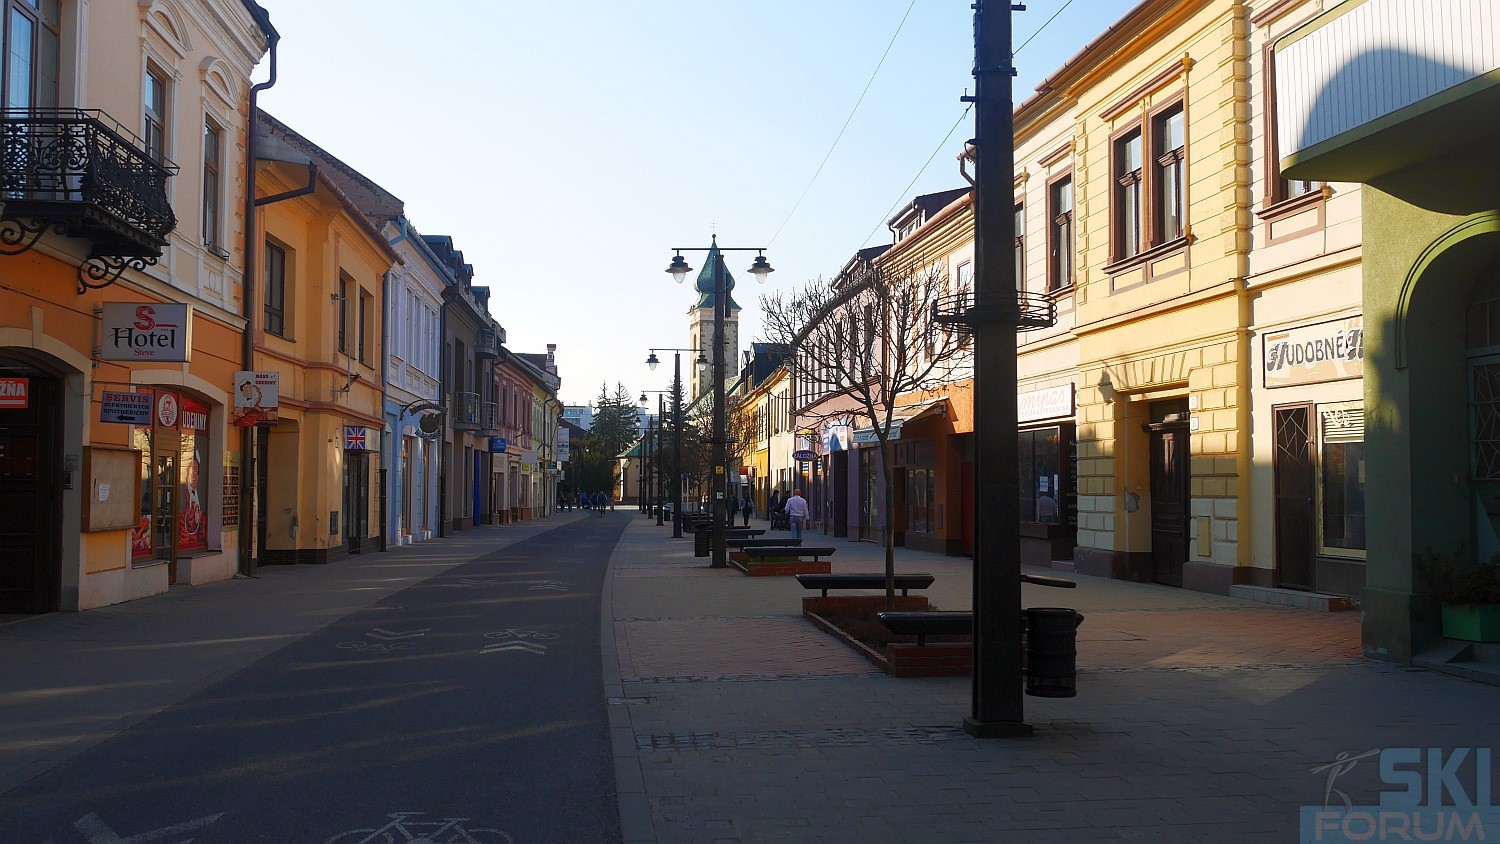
(1288, 207)
(217, 251)
(1171, 247)
(201, 552)
(146, 564)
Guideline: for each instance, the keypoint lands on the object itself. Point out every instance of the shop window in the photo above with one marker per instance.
(1045, 460)
(174, 504)
(1341, 485)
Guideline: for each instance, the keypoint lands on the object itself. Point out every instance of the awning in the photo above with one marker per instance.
(901, 416)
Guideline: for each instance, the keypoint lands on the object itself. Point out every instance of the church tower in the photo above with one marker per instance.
(701, 327)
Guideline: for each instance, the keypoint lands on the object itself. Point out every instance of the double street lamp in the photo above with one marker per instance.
(720, 441)
(651, 362)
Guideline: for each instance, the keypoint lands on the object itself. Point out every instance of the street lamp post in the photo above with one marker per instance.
(655, 435)
(679, 269)
(651, 362)
(997, 703)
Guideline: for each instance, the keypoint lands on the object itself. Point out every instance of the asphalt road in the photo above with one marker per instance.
(467, 708)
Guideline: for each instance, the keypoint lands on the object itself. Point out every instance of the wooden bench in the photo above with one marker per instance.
(735, 542)
(766, 552)
(862, 580)
(924, 624)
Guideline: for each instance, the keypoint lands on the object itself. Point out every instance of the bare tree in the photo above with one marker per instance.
(872, 340)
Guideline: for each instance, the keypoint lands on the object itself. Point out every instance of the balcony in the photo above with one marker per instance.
(466, 411)
(489, 417)
(1367, 89)
(80, 174)
(488, 343)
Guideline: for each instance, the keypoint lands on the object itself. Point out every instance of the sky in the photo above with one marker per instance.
(569, 147)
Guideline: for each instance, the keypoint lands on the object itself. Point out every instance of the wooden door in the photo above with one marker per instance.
(30, 467)
(1169, 502)
(1295, 473)
(356, 498)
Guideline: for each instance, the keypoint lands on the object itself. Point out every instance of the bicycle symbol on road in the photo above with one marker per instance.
(402, 829)
(513, 633)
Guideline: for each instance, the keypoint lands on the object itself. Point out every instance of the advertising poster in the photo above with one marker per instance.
(257, 396)
(192, 521)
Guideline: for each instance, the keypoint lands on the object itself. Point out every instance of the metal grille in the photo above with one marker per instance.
(965, 311)
(1485, 380)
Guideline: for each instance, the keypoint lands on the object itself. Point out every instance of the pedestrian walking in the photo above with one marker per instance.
(599, 503)
(774, 506)
(746, 506)
(796, 511)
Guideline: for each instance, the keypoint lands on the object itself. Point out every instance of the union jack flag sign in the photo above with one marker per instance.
(354, 438)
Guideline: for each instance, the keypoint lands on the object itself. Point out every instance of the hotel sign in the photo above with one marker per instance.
(1311, 354)
(146, 332)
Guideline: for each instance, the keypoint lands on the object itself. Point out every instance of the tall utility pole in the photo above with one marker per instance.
(998, 706)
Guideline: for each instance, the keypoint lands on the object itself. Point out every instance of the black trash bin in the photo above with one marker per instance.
(1051, 652)
(703, 536)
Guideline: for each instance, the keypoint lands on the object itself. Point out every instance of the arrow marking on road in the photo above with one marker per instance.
(391, 635)
(92, 827)
(528, 647)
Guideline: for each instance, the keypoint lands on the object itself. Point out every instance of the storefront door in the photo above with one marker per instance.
(1169, 497)
(1296, 480)
(30, 466)
(356, 498)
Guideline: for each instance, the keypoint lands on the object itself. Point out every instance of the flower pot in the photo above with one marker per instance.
(1472, 622)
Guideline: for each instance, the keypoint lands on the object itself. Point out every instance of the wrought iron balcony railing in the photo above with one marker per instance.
(466, 410)
(489, 416)
(81, 174)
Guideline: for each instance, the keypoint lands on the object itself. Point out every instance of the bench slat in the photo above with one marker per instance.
(863, 580)
(923, 624)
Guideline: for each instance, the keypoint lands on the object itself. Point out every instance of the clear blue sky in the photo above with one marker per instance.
(567, 147)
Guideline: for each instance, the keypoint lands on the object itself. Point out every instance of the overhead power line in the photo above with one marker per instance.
(845, 127)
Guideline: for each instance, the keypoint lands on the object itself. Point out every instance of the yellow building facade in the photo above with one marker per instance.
(322, 268)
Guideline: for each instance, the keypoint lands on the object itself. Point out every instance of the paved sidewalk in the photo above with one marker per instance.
(1199, 718)
(71, 680)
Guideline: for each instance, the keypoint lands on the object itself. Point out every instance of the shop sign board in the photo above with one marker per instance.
(1311, 354)
(1046, 403)
(166, 410)
(15, 393)
(158, 332)
(497, 445)
(125, 408)
(804, 455)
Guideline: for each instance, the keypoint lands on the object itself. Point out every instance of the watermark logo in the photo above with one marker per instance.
(1426, 794)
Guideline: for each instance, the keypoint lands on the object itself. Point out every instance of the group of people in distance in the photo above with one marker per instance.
(787, 512)
(585, 501)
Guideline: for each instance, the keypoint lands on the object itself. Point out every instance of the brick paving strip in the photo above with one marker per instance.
(1198, 717)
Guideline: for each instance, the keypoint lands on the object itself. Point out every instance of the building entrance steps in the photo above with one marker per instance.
(1316, 601)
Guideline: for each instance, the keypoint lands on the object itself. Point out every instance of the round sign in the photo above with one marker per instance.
(166, 410)
(804, 455)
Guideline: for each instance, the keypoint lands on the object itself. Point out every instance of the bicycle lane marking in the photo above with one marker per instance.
(309, 735)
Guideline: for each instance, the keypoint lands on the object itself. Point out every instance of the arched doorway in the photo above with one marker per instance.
(31, 473)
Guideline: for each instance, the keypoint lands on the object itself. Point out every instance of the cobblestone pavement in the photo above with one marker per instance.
(1199, 718)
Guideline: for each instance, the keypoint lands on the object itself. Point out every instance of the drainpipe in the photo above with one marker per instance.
(248, 470)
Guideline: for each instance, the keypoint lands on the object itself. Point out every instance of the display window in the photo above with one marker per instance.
(1341, 482)
(173, 515)
(1048, 475)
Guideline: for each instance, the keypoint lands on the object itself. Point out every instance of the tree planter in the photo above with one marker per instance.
(1472, 622)
(938, 659)
(777, 566)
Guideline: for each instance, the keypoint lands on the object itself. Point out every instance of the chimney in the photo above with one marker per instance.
(552, 358)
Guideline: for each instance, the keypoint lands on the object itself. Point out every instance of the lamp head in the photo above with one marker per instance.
(761, 268)
(643, 399)
(652, 361)
(702, 358)
(679, 268)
